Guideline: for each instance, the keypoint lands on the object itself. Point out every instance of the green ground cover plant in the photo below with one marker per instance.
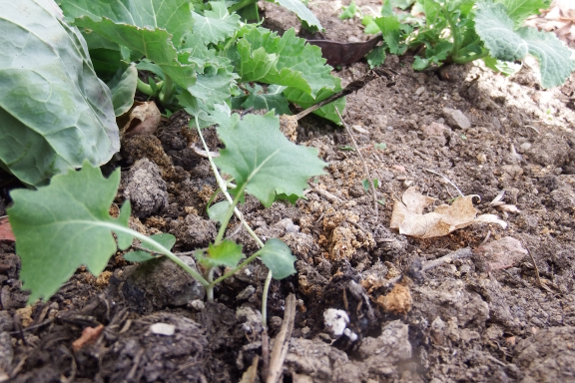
(461, 31)
(192, 55)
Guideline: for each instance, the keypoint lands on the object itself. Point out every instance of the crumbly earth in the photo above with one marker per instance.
(451, 323)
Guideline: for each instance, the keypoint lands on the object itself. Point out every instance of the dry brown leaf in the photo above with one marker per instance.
(142, 118)
(500, 254)
(408, 216)
(89, 336)
(559, 18)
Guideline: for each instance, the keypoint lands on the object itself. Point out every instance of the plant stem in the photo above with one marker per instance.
(466, 59)
(454, 31)
(240, 5)
(210, 288)
(167, 93)
(228, 216)
(162, 250)
(145, 88)
(224, 187)
(246, 262)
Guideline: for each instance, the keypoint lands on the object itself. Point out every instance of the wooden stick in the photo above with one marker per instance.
(281, 344)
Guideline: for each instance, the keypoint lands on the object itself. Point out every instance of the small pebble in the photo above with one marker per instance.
(246, 293)
(163, 329)
(525, 146)
(197, 304)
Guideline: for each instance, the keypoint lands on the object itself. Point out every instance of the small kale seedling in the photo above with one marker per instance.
(66, 224)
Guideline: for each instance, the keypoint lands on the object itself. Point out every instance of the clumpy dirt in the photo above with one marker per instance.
(406, 321)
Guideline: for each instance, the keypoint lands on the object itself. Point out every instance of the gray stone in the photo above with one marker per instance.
(456, 119)
(146, 189)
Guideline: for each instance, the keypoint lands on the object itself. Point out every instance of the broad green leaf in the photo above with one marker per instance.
(149, 66)
(376, 57)
(175, 16)
(258, 65)
(519, 10)
(303, 12)
(390, 29)
(65, 225)
(104, 53)
(217, 211)
(215, 25)
(152, 27)
(273, 99)
(434, 55)
(227, 253)
(278, 257)
(54, 111)
(495, 29)
(213, 87)
(123, 88)
(463, 7)
(262, 160)
(508, 68)
(155, 44)
(432, 11)
(402, 4)
(164, 239)
(371, 27)
(286, 60)
(305, 101)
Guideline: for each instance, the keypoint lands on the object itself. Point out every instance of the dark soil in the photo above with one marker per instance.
(456, 322)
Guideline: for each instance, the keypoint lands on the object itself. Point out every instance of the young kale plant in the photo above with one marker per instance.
(462, 31)
(198, 55)
(66, 224)
(198, 60)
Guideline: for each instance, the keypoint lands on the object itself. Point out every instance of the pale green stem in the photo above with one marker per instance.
(162, 250)
(144, 88)
(454, 31)
(147, 88)
(168, 91)
(466, 59)
(227, 217)
(246, 262)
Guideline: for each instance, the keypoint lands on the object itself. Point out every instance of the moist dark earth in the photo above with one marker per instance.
(494, 317)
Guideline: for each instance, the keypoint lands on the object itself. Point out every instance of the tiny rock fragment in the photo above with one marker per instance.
(437, 331)
(500, 254)
(89, 336)
(456, 119)
(433, 129)
(163, 329)
(398, 301)
(335, 321)
(142, 118)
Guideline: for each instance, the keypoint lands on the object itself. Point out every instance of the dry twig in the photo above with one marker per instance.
(365, 170)
(446, 179)
(281, 344)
